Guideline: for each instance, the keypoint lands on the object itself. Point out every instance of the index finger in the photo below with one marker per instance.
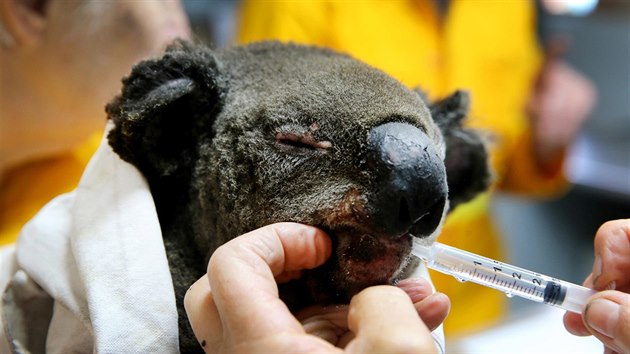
(242, 277)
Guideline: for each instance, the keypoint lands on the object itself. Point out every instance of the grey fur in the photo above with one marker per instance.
(235, 139)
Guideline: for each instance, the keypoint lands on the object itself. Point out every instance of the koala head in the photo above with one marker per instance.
(231, 140)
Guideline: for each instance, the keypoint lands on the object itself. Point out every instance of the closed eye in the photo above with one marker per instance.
(301, 141)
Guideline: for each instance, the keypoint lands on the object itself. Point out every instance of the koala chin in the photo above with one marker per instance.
(234, 139)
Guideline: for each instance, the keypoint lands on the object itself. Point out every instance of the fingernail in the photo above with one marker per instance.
(602, 315)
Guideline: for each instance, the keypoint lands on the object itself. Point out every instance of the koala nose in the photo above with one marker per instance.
(410, 178)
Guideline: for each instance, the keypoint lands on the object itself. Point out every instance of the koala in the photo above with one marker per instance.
(234, 139)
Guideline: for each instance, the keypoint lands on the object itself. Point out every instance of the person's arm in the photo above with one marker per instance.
(559, 104)
(607, 314)
(236, 307)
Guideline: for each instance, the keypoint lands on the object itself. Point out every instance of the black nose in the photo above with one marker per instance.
(410, 180)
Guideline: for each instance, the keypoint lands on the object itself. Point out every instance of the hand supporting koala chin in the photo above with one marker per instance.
(235, 307)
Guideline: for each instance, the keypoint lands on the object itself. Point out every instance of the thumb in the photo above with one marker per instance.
(607, 316)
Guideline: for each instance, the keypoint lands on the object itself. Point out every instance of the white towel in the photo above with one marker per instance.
(98, 256)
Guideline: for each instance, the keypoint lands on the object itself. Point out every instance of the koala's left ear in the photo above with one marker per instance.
(164, 105)
(467, 166)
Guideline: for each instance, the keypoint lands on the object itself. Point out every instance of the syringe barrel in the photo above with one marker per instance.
(512, 280)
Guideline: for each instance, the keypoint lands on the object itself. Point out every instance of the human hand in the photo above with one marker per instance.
(236, 306)
(559, 104)
(607, 314)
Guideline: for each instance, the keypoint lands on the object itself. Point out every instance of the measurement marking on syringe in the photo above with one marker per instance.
(499, 278)
(507, 278)
(519, 288)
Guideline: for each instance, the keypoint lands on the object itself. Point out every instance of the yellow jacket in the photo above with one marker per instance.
(486, 47)
(27, 188)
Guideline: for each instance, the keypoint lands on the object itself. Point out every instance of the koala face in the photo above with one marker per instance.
(321, 139)
(236, 139)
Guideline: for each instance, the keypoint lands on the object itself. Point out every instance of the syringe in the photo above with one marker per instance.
(466, 266)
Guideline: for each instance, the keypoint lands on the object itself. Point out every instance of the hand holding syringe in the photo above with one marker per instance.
(466, 266)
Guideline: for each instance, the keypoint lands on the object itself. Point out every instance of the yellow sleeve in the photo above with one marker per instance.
(498, 59)
(398, 37)
(298, 21)
(27, 188)
(524, 175)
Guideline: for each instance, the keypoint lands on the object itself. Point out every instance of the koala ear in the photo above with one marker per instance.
(165, 104)
(467, 166)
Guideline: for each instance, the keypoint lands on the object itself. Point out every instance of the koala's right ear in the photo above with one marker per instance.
(467, 163)
(164, 106)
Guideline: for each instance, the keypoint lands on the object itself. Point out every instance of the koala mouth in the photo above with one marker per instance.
(369, 260)
(365, 258)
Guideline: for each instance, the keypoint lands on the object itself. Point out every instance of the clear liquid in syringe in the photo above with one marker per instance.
(466, 266)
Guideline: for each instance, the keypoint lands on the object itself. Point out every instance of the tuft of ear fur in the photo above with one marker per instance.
(162, 104)
(467, 166)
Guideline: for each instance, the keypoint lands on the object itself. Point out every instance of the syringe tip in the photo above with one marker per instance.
(421, 251)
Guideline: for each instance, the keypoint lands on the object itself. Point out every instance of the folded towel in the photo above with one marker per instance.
(91, 271)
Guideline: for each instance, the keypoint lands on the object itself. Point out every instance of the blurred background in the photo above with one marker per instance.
(551, 237)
